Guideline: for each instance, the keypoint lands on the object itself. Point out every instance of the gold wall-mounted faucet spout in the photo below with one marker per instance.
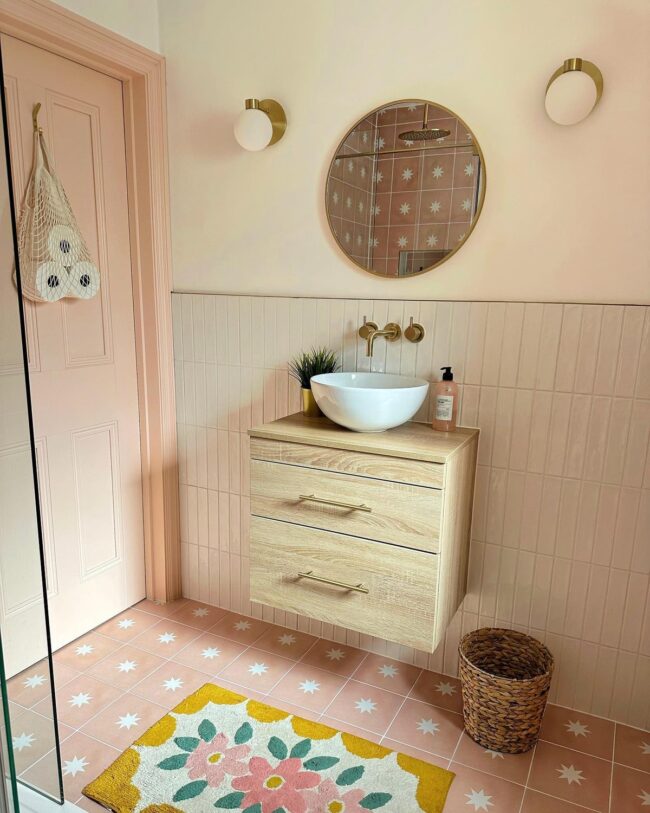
(369, 331)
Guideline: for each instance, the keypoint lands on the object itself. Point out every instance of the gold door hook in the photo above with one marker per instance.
(35, 111)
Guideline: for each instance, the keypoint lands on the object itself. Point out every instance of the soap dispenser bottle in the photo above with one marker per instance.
(445, 402)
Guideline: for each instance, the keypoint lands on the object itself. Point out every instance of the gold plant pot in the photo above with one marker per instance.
(310, 408)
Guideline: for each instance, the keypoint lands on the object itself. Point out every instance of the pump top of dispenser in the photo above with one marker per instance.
(447, 375)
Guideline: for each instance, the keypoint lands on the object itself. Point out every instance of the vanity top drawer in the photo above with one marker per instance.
(356, 583)
(381, 510)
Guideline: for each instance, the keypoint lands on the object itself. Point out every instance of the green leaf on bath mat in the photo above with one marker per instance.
(187, 743)
(301, 749)
(207, 731)
(243, 733)
(374, 800)
(230, 802)
(277, 748)
(320, 763)
(190, 791)
(174, 763)
(256, 808)
(349, 776)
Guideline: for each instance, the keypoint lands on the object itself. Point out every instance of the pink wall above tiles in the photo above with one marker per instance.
(561, 532)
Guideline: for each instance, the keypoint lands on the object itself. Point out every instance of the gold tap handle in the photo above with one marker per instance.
(367, 328)
(309, 574)
(351, 506)
(414, 332)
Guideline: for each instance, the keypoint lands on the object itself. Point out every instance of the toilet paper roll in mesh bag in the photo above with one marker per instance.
(54, 259)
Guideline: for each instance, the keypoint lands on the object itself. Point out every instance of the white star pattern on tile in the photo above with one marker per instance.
(446, 688)
(570, 774)
(126, 623)
(437, 172)
(258, 669)
(434, 206)
(407, 174)
(364, 138)
(461, 237)
(405, 208)
(362, 171)
(200, 612)
(388, 670)
(402, 241)
(379, 177)
(211, 652)
(171, 684)
(365, 705)
(167, 637)
(74, 766)
(428, 727)
(479, 799)
(126, 666)
(33, 681)
(310, 686)
(128, 721)
(287, 639)
(493, 754)
(79, 700)
(576, 728)
(347, 236)
(376, 210)
(350, 166)
(645, 798)
(469, 169)
(408, 143)
(23, 741)
(85, 649)
(411, 107)
(348, 202)
(335, 654)
(380, 143)
(645, 748)
(432, 240)
(335, 197)
(240, 626)
(360, 206)
(466, 205)
(373, 242)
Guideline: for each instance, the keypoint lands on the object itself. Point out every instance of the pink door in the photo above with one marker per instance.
(82, 354)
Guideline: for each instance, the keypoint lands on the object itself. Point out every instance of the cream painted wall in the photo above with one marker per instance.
(567, 209)
(136, 20)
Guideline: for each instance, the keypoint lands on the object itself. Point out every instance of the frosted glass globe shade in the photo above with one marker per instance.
(253, 130)
(571, 97)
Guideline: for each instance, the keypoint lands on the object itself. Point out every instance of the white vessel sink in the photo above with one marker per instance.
(369, 402)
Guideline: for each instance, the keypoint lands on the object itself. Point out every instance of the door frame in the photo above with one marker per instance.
(142, 74)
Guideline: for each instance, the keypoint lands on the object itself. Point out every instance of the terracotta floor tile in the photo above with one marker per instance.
(426, 727)
(513, 767)
(574, 729)
(63, 674)
(126, 667)
(239, 628)
(630, 790)
(285, 642)
(632, 747)
(127, 625)
(405, 748)
(32, 685)
(350, 728)
(161, 610)
(571, 775)
(83, 759)
(246, 691)
(477, 791)
(201, 616)
(89, 805)
(536, 802)
(85, 651)
(121, 723)
(166, 638)
(44, 774)
(257, 669)
(209, 653)
(386, 673)
(440, 690)
(32, 737)
(169, 684)
(81, 699)
(366, 706)
(337, 658)
(307, 686)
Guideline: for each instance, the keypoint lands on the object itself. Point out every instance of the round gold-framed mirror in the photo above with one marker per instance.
(405, 188)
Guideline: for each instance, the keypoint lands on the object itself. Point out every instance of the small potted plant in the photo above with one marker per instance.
(304, 366)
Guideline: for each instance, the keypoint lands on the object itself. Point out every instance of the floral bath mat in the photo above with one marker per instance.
(218, 750)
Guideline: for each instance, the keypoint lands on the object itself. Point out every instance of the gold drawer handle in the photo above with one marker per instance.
(309, 574)
(323, 501)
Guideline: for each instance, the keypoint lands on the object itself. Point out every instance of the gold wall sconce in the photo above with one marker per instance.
(573, 91)
(260, 124)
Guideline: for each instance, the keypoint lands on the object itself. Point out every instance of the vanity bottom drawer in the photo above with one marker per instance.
(395, 595)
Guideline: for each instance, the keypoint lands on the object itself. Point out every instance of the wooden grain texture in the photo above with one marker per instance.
(378, 466)
(414, 441)
(400, 604)
(400, 514)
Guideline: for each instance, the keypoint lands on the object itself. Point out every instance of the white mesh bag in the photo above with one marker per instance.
(54, 259)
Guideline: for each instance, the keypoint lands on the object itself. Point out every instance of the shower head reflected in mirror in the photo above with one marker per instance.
(425, 133)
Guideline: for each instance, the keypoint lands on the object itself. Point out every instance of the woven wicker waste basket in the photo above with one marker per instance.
(505, 677)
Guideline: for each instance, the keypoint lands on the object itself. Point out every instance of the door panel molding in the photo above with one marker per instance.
(142, 73)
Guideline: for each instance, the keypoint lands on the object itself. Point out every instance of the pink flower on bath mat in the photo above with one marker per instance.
(213, 760)
(274, 787)
(329, 798)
